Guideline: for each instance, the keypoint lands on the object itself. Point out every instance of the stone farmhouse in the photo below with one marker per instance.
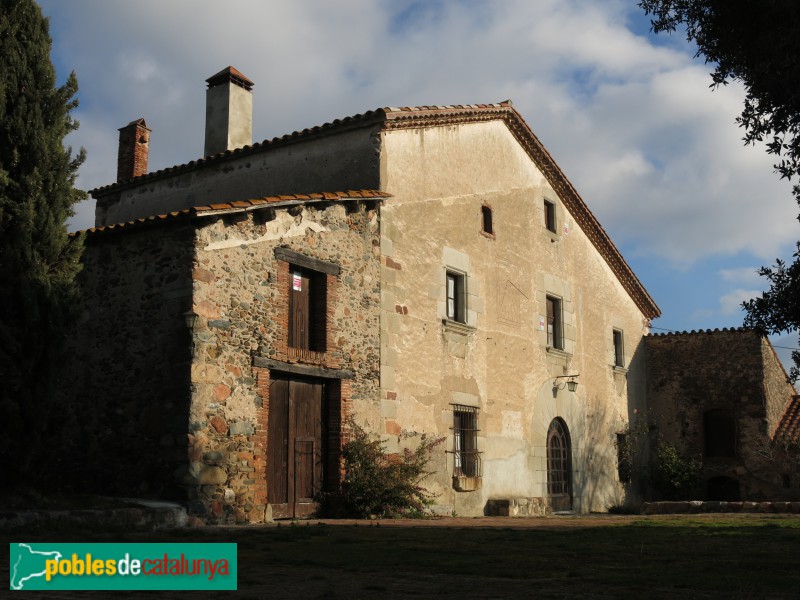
(423, 271)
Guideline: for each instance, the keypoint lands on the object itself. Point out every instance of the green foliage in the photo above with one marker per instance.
(675, 476)
(385, 485)
(756, 43)
(778, 309)
(38, 261)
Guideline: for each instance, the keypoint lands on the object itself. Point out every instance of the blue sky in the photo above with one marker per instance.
(629, 116)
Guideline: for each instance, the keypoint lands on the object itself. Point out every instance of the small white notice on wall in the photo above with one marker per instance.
(566, 229)
(297, 282)
(541, 323)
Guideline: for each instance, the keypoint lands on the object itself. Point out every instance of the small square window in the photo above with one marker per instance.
(486, 220)
(550, 216)
(456, 297)
(555, 336)
(619, 348)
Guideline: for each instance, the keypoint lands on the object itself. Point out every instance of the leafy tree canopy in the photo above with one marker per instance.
(38, 261)
(756, 42)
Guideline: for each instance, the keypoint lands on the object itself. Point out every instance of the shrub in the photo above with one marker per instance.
(386, 485)
(675, 476)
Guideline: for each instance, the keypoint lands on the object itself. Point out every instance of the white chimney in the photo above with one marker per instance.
(229, 111)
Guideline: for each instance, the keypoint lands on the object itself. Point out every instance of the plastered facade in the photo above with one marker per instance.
(498, 361)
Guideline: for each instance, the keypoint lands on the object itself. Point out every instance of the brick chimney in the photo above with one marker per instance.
(229, 111)
(134, 148)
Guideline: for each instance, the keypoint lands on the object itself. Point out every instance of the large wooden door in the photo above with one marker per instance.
(559, 466)
(295, 465)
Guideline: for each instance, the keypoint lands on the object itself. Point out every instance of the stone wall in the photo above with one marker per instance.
(129, 361)
(240, 294)
(733, 370)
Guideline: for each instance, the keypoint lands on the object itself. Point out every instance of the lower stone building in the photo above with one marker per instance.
(722, 398)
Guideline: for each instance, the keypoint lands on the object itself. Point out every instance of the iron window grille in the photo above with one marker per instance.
(466, 456)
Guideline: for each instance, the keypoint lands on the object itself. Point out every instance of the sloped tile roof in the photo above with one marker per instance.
(242, 205)
(789, 426)
(390, 118)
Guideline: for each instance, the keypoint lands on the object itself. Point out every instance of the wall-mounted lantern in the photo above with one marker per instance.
(570, 383)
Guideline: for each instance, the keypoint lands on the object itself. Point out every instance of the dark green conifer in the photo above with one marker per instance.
(38, 260)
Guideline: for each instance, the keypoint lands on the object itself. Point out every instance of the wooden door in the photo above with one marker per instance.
(559, 466)
(294, 471)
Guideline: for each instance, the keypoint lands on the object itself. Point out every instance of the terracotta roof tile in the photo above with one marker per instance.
(239, 205)
(789, 425)
(431, 116)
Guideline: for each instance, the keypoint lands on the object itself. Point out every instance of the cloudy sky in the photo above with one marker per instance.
(629, 116)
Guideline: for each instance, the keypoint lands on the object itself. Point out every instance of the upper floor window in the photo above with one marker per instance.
(619, 348)
(555, 335)
(550, 216)
(456, 297)
(719, 427)
(486, 220)
(308, 310)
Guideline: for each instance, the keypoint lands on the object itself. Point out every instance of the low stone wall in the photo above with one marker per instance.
(516, 507)
(698, 506)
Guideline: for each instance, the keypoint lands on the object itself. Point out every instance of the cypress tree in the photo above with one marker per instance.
(38, 260)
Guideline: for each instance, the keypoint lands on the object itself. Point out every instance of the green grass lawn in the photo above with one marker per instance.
(719, 556)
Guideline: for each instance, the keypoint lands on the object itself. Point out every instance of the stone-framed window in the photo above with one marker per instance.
(554, 323)
(550, 219)
(456, 290)
(467, 464)
(618, 341)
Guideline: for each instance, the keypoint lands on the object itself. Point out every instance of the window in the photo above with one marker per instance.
(550, 216)
(467, 461)
(719, 428)
(619, 348)
(456, 297)
(555, 337)
(307, 310)
(486, 217)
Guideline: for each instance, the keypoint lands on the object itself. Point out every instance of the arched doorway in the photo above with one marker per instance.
(559, 466)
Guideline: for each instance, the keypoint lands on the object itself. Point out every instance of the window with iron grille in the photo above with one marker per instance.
(467, 458)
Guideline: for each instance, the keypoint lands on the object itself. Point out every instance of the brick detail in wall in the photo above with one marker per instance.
(339, 408)
(134, 150)
(330, 358)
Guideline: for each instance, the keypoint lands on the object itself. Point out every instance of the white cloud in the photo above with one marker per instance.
(653, 151)
(742, 275)
(731, 303)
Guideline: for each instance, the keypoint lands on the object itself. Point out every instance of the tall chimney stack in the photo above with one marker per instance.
(134, 149)
(229, 111)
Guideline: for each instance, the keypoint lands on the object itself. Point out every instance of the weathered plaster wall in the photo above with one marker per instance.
(440, 178)
(240, 291)
(129, 361)
(692, 373)
(345, 161)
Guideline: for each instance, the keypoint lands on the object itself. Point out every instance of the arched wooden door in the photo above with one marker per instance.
(559, 466)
